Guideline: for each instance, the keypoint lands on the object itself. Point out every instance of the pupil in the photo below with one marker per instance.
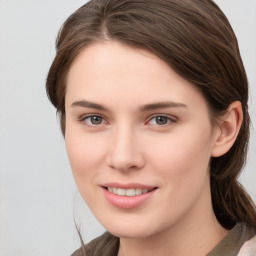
(96, 120)
(161, 120)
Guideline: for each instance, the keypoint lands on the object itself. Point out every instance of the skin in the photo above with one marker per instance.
(127, 144)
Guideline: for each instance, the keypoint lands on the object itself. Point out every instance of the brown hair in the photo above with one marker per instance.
(195, 38)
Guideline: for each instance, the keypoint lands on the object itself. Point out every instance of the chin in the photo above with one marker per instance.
(130, 230)
(130, 234)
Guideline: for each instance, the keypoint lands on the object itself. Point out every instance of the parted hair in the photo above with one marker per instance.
(195, 38)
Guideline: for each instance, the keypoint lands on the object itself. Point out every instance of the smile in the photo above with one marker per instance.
(128, 196)
(128, 192)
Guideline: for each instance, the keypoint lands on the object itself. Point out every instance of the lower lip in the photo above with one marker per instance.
(127, 202)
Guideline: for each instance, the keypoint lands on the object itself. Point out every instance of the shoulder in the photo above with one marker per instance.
(233, 243)
(104, 245)
(249, 248)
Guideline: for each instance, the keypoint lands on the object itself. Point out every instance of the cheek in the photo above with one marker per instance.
(85, 154)
(182, 164)
(86, 157)
(183, 159)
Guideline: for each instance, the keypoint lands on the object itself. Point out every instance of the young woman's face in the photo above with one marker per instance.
(139, 140)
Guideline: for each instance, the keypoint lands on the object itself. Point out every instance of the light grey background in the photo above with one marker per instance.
(38, 198)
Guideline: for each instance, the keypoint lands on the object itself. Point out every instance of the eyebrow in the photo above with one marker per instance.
(162, 105)
(144, 108)
(88, 104)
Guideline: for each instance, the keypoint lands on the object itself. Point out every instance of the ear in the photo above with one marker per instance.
(228, 129)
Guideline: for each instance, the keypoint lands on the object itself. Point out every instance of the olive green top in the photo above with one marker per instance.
(108, 245)
(232, 243)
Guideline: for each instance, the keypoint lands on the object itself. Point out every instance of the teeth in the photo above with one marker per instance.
(127, 192)
(121, 192)
(130, 192)
(144, 191)
(138, 191)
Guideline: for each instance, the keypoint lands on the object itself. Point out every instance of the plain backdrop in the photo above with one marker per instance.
(39, 203)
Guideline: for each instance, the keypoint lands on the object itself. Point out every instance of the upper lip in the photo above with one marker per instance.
(127, 185)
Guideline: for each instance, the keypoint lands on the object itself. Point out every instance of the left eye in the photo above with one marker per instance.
(160, 120)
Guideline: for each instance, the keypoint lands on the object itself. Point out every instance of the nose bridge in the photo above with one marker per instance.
(124, 151)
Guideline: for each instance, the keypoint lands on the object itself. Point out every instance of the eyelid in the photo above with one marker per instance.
(84, 117)
(172, 119)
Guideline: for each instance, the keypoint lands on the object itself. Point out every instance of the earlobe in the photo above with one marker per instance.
(229, 127)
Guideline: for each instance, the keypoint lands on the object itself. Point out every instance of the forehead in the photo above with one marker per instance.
(107, 57)
(112, 70)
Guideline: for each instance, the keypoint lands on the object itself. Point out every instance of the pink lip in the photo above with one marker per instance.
(127, 202)
(128, 185)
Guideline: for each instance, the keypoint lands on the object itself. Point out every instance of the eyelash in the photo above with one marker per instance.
(83, 120)
(170, 120)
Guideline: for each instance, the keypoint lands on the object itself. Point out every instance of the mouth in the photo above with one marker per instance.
(129, 192)
(128, 196)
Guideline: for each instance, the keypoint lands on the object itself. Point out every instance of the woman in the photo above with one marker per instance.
(152, 97)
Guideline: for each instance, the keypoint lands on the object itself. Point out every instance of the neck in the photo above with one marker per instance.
(195, 235)
(193, 240)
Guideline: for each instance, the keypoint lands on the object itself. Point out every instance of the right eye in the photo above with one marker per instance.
(93, 120)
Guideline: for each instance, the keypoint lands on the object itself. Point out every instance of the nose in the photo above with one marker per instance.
(125, 153)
